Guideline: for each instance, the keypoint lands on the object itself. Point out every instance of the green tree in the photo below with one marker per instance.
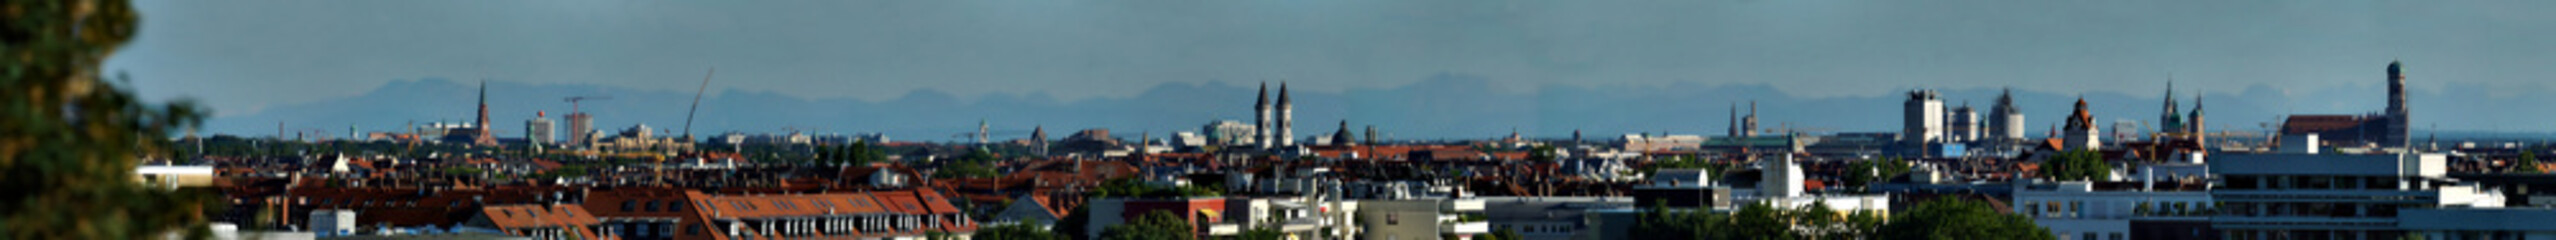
(69, 140)
(1861, 175)
(1760, 220)
(1505, 234)
(1660, 222)
(1959, 219)
(1542, 153)
(1015, 232)
(2076, 165)
(1072, 226)
(1153, 225)
(1262, 233)
(975, 164)
(2528, 162)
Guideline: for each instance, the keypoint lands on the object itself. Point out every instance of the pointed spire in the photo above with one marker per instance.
(2196, 106)
(1264, 96)
(1282, 94)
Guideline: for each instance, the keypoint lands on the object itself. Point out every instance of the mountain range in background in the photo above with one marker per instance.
(1444, 106)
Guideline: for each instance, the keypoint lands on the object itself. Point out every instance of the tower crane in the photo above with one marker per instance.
(572, 101)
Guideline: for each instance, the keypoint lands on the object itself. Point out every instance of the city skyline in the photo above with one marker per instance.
(1086, 52)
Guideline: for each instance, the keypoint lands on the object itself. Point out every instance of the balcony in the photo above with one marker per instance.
(1462, 205)
(1465, 228)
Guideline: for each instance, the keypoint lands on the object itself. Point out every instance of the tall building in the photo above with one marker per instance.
(2082, 134)
(538, 130)
(1964, 124)
(2005, 123)
(581, 129)
(1924, 113)
(2397, 111)
(1260, 127)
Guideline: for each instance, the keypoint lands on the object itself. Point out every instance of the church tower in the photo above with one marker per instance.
(2082, 134)
(1260, 115)
(2396, 109)
(1735, 124)
(2199, 129)
(484, 138)
(1286, 118)
(1748, 125)
(2170, 122)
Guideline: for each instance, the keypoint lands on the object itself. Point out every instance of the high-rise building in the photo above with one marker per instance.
(1964, 124)
(581, 129)
(2005, 122)
(1924, 114)
(538, 130)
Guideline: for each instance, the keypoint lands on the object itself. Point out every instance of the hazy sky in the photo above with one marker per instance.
(242, 56)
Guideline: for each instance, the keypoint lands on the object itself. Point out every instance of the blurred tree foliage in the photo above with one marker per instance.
(69, 140)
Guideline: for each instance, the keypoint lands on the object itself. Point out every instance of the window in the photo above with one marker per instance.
(2117, 236)
(630, 205)
(1393, 219)
(653, 204)
(674, 206)
(2088, 236)
(691, 229)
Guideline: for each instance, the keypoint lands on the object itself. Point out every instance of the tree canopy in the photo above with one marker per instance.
(1156, 225)
(1940, 219)
(1861, 175)
(70, 140)
(2076, 165)
(1959, 219)
(978, 163)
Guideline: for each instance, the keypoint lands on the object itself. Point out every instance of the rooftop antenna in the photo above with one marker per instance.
(696, 103)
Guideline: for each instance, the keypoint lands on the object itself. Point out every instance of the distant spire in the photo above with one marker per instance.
(1282, 94)
(1264, 96)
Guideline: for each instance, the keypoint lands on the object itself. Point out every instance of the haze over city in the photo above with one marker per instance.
(1276, 120)
(2273, 58)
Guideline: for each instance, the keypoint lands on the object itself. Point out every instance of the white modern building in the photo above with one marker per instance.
(1924, 122)
(2301, 195)
(2116, 210)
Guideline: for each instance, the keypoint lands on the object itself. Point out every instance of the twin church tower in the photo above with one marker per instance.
(1276, 126)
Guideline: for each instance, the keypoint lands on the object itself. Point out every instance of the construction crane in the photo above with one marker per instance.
(696, 103)
(572, 101)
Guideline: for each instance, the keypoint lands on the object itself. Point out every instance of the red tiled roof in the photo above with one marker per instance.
(2319, 123)
(537, 215)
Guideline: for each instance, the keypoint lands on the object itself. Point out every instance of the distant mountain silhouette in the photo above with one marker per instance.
(1444, 106)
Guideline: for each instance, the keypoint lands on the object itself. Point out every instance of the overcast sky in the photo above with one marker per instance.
(240, 57)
